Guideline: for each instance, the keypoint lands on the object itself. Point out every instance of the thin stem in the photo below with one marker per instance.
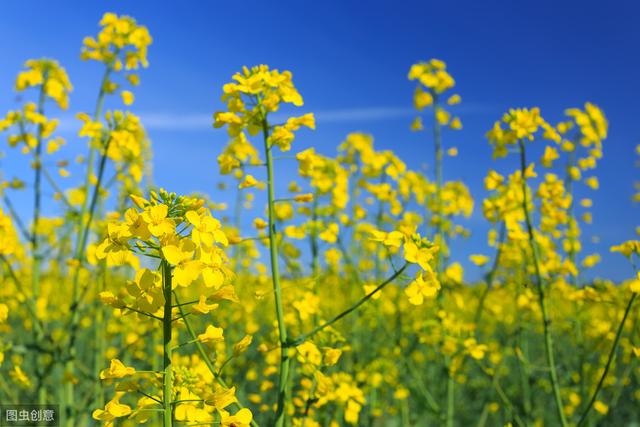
(80, 247)
(183, 344)
(524, 370)
(16, 218)
(92, 150)
(205, 357)
(440, 238)
(315, 265)
(79, 257)
(378, 218)
(84, 236)
(150, 397)
(612, 353)
(37, 203)
(144, 313)
(349, 261)
(283, 378)
(573, 224)
(503, 396)
(57, 188)
(29, 303)
(186, 303)
(431, 401)
(237, 223)
(548, 339)
(450, 397)
(101, 340)
(166, 339)
(437, 140)
(489, 277)
(354, 307)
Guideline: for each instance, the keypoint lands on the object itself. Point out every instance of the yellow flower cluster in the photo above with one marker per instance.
(592, 124)
(326, 176)
(155, 230)
(433, 75)
(120, 36)
(518, 125)
(9, 241)
(416, 250)
(433, 81)
(255, 93)
(127, 144)
(181, 233)
(31, 126)
(48, 74)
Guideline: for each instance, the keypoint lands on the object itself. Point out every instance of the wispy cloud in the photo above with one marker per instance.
(176, 121)
(168, 121)
(201, 121)
(362, 114)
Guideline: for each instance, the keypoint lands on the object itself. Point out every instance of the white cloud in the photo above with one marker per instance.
(362, 114)
(153, 120)
(173, 121)
(200, 121)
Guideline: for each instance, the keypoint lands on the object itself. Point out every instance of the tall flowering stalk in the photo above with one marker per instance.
(580, 138)
(32, 129)
(52, 81)
(121, 45)
(188, 242)
(548, 339)
(255, 94)
(433, 82)
(521, 125)
(631, 250)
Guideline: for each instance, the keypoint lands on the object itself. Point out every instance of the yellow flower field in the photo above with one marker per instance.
(343, 302)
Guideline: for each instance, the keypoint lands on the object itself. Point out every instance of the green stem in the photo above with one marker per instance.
(92, 149)
(315, 266)
(489, 278)
(101, 341)
(283, 378)
(437, 140)
(75, 302)
(302, 338)
(37, 323)
(525, 373)
(203, 354)
(503, 396)
(35, 250)
(404, 414)
(83, 231)
(482, 421)
(237, 222)
(349, 261)
(166, 339)
(582, 354)
(612, 354)
(420, 384)
(573, 224)
(35, 276)
(315, 263)
(57, 189)
(16, 218)
(378, 218)
(450, 397)
(548, 339)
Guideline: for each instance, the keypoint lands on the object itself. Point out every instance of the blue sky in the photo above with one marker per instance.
(350, 62)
